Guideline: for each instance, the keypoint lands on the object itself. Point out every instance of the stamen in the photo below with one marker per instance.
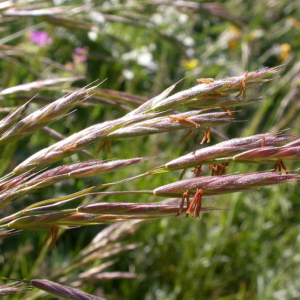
(69, 147)
(206, 137)
(185, 120)
(197, 170)
(223, 167)
(53, 236)
(280, 165)
(90, 183)
(283, 166)
(185, 196)
(213, 169)
(230, 114)
(100, 146)
(196, 204)
(205, 80)
(243, 86)
(182, 174)
(186, 135)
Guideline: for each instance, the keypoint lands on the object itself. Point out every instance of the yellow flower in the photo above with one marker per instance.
(190, 64)
(283, 56)
(286, 47)
(285, 50)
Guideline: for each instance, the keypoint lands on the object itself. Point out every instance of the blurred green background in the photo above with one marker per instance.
(248, 251)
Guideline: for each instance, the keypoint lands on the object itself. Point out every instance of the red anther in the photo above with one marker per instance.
(196, 204)
(213, 169)
(223, 168)
(185, 196)
(280, 165)
(197, 170)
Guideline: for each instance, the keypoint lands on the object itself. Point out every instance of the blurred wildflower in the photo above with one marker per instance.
(41, 38)
(80, 54)
(188, 41)
(235, 32)
(190, 64)
(256, 34)
(128, 74)
(93, 34)
(233, 44)
(79, 60)
(295, 23)
(142, 56)
(285, 50)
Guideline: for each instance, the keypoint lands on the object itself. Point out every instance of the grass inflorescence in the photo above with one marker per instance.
(80, 155)
(155, 116)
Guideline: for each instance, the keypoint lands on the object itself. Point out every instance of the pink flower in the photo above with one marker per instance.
(80, 54)
(41, 38)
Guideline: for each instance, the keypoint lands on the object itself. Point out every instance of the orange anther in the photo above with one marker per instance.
(218, 169)
(69, 148)
(206, 137)
(100, 146)
(205, 80)
(230, 114)
(185, 120)
(108, 144)
(243, 86)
